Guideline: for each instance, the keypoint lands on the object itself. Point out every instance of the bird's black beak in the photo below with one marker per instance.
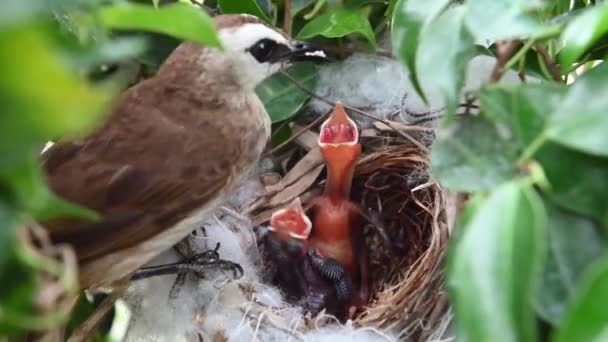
(306, 52)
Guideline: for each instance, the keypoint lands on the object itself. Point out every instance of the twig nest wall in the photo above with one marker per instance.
(392, 180)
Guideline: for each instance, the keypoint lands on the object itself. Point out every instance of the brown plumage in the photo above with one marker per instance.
(172, 149)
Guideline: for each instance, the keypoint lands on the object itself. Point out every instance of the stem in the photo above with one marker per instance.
(503, 51)
(555, 73)
(287, 17)
(536, 144)
(519, 54)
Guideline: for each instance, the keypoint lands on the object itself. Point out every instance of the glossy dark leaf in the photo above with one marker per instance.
(179, 20)
(587, 316)
(582, 32)
(443, 66)
(580, 121)
(473, 155)
(243, 6)
(281, 97)
(497, 266)
(339, 24)
(355, 4)
(409, 18)
(574, 243)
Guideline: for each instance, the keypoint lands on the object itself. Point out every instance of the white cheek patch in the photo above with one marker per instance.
(240, 38)
(237, 40)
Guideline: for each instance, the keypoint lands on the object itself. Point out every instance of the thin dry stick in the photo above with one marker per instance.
(358, 111)
(84, 331)
(295, 136)
(287, 17)
(557, 75)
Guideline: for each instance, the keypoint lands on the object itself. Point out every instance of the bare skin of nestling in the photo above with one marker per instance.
(337, 221)
(173, 148)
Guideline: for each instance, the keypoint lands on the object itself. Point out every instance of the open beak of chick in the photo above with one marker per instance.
(339, 129)
(291, 221)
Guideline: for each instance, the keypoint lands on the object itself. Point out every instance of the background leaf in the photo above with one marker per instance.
(409, 17)
(444, 66)
(281, 97)
(179, 20)
(497, 265)
(587, 316)
(582, 32)
(243, 6)
(339, 24)
(580, 121)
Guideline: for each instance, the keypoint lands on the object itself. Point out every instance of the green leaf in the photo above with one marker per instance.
(178, 20)
(443, 66)
(15, 12)
(521, 109)
(582, 32)
(579, 182)
(497, 265)
(339, 24)
(26, 183)
(356, 4)
(298, 5)
(243, 6)
(574, 243)
(9, 218)
(503, 19)
(41, 100)
(587, 317)
(580, 121)
(281, 97)
(473, 155)
(409, 18)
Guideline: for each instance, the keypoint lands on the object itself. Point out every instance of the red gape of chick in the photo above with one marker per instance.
(337, 230)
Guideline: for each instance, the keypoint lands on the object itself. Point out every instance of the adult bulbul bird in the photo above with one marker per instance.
(173, 148)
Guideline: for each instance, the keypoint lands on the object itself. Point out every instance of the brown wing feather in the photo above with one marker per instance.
(145, 169)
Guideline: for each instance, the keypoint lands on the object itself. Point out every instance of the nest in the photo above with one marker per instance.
(392, 179)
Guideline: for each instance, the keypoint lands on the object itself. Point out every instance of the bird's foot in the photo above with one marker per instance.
(197, 264)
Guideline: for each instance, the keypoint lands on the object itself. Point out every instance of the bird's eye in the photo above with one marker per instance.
(265, 50)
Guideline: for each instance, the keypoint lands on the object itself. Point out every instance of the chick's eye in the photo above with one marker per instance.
(263, 50)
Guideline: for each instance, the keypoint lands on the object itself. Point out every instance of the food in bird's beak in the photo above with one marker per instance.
(303, 52)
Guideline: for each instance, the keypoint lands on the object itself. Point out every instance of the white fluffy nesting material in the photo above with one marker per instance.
(381, 87)
(219, 308)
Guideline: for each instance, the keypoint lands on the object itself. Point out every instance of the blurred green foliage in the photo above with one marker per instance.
(530, 246)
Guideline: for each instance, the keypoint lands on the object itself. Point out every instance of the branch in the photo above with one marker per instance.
(287, 17)
(555, 73)
(504, 50)
(295, 136)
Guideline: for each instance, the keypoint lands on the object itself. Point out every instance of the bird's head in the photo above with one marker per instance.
(339, 144)
(291, 222)
(258, 50)
(339, 129)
